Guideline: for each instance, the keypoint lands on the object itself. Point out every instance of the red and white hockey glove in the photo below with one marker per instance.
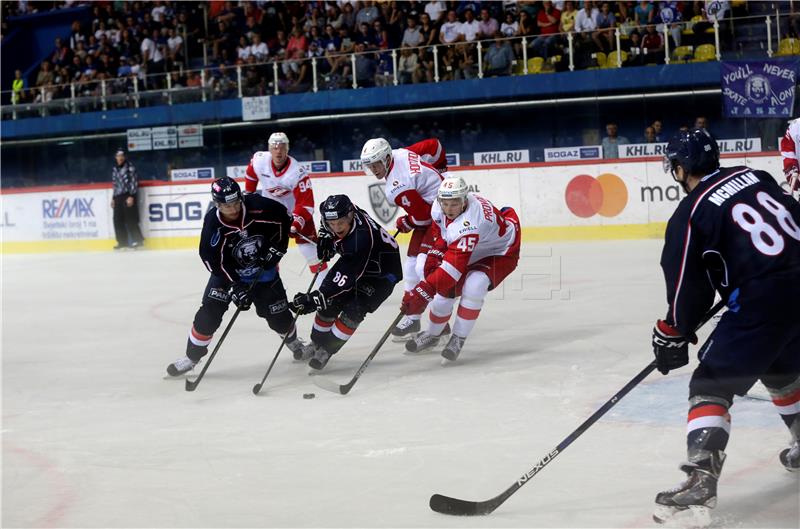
(404, 224)
(415, 300)
(297, 224)
(792, 175)
(671, 349)
(433, 261)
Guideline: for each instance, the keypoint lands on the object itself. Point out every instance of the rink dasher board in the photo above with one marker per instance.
(75, 218)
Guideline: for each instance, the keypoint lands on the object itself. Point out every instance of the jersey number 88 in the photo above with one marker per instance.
(766, 238)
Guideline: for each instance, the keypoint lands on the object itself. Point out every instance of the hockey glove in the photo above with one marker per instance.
(297, 224)
(792, 175)
(240, 295)
(308, 303)
(671, 349)
(415, 300)
(433, 261)
(270, 257)
(325, 249)
(404, 224)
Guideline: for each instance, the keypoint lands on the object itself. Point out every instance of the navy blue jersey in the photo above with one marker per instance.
(736, 227)
(231, 250)
(367, 251)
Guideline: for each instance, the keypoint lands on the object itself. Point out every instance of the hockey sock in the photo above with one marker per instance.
(476, 285)
(410, 276)
(291, 335)
(341, 331)
(321, 328)
(439, 315)
(787, 400)
(197, 344)
(708, 428)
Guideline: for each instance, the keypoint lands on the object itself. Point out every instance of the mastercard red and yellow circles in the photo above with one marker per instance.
(587, 196)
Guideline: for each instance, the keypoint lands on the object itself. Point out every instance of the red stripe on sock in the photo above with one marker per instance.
(438, 319)
(708, 409)
(323, 323)
(200, 337)
(341, 327)
(790, 399)
(468, 314)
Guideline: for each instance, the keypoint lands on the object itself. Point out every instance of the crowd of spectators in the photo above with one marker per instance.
(161, 43)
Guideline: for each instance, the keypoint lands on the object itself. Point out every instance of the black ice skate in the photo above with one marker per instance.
(790, 457)
(453, 348)
(180, 366)
(423, 341)
(405, 330)
(320, 359)
(694, 498)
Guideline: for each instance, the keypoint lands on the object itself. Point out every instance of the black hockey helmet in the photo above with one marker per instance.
(226, 190)
(335, 207)
(695, 150)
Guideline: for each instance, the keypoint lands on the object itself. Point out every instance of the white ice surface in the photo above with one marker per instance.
(95, 436)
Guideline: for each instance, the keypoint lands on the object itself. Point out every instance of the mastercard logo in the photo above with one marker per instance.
(587, 196)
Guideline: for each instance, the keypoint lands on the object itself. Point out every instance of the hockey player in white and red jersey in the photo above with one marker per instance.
(476, 247)
(431, 151)
(283, 179)
(411, 183)
(790, 151)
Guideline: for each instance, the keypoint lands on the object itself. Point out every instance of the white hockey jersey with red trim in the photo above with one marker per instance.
(291, 186)
(480, 231)
(412, 184)
(432, 152)
(790, 146)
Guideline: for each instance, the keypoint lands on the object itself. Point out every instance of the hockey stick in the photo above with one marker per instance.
(345, 389)
(257, 387)
(457, 507)
(191, 385)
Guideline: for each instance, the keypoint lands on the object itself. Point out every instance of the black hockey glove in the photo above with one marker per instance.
(308, 303)
(325, 249)
(270, 257)
(240, 295)
(671, 349)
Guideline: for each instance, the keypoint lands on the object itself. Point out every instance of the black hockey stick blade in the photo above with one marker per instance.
(345, 388)
(457, 507)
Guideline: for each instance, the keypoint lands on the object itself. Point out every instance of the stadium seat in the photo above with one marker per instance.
(681, 54)
(517, 68)
(535, 65)
(788, 46)
(600, 59)
(688, 29)
(611, 60)
(705, 52)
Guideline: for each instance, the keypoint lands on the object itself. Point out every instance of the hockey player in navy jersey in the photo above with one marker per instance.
(362, 278)
(738, 234)
(243, 239)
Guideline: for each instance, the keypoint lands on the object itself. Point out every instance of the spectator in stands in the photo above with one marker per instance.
(348, 17)
(45, 75)
(426, 66)
(384, 74)
(175, 46)
(242, 50)
(367, 14)
(365, 36)
(61, 55)
(547, 20)
(497, 60)
(126, 213)
(470, 27)
(467, 62)
(658, 128)
(585, 26)
(380, 36)
(365, 67)
(412, 36)
(568, 15)
(644, 13)
(222, 39)
(509, 27)
(487, 26)
(650, 135)
(76, 35)
(17, 88)
(297, 45)
(604, 37)
(654, 46)
(669, 15)
(436, 11)
(450, 32)
(612, 142)
(449, 67)
(408, 66)
(259, 49)
(430, 34)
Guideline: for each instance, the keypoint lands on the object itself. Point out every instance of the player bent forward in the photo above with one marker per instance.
(737, 233)
(362, 278)
(475, 247)
(242, 241)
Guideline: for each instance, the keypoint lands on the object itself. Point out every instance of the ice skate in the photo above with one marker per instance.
(690, 503)
(423, 341)
(320, 359)
(180, 366)
(405, 330)
(301, 351)
(790, 457)
(452, 349)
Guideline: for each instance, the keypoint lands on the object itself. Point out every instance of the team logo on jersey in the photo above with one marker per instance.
(466, 224)
(383, 209)
(757, 88)
(247, 249)
(278, 191)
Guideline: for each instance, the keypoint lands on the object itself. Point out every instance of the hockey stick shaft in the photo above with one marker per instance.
(345, 389)
(455, 506)
(191, 385)
(257, 387)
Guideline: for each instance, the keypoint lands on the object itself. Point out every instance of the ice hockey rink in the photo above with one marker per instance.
(95, 435)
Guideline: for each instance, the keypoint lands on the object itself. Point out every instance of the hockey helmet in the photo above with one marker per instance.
(278, 137)
(696, 151)
(336, 207)
(226, 190)
(453, 187)
(376, 150)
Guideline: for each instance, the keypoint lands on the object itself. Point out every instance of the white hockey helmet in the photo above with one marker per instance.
(453, 187)
(374, 151)
(278, 137)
